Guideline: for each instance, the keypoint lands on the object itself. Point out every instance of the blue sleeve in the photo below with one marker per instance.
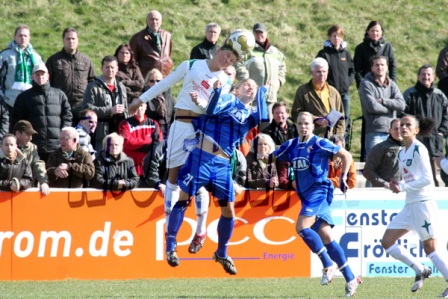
(214, 98)
(262, 107)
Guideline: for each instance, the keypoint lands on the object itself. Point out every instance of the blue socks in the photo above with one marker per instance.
(225, 230)
(337, 254)
(314, 242)
(176, 219)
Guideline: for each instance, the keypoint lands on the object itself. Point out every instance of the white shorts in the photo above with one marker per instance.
(177, 154)
(421, 217)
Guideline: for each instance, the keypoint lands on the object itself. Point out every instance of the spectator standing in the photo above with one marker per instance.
(23, 131)
(207, 49)
(319, 98)
(381, 102)
(71, 71)
(341, 72)
(114, 169)
(161, 107)
(374, 44)
(69, 166)
(15, 172)
(17, 62)
(265, 64)
(46, 108)
(442, 63)
(424, 99)
(85, 128)
(128, 72)
(107, 97)
(4, 117)
(140, 135)
(152, 46)
(381, 166)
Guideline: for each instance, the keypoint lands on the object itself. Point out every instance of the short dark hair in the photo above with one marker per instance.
(108, 58)
(279, 104)
(68, 30)
(377, 57)
(9, 135)
(424, 67)
(84, 113)
(335, 28)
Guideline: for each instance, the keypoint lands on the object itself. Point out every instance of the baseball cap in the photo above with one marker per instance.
(24, 126)
(40, 67)
(260, 27)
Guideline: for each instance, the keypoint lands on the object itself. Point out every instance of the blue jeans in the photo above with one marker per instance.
(346, 103)
(373, 139)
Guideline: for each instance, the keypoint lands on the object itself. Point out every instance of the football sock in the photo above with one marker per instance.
(176, 219)
(440, 264)
(201, 203)
(225, 230)
(400, 254)
(337, 254)
(314, 242)
(170, 199)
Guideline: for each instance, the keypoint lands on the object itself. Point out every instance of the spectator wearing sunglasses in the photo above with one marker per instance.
(85, 127)
(160, 108)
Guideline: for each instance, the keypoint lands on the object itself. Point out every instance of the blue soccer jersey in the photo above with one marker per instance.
(309, 161)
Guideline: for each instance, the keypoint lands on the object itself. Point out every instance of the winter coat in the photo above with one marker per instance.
(37, 165)
(101, 100)
(81, 168)
(48, 111)
(4, 117)
(18, 169)
(8, 60)
(146, 54)
(364, 53)
(110, 170)
(258, 175)
(341, 72)
(205, 50)
(71, 73)
(132, 79)
(276, 133)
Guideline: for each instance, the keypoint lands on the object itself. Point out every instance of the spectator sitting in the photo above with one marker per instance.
(23, 130)
(335, 166)
(85, 127)
(69, 166)
(128, 72)
(154, 168)
(15, 172)
(260, 174)
(382, 164)
(140, 133)
(282, 128)
(114, 169)
(160, 108)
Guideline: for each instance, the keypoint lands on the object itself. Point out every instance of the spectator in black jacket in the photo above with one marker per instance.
(341, 72)
(4, 117)
(114, 170)
(46, 108)
(207, 49)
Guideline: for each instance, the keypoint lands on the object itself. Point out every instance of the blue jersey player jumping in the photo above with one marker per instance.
(227, 120)
(309, 156)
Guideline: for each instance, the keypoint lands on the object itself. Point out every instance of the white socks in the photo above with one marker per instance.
(400, 254)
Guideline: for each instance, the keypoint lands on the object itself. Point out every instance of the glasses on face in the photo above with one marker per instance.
(154, 81)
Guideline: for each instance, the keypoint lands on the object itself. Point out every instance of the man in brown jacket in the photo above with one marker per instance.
(69, 166)
(152, 46)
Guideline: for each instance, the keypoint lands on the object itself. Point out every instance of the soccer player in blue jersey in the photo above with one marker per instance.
(309, 156)
(227, 120)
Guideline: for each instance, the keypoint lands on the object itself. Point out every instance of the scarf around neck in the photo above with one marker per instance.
(25, 63)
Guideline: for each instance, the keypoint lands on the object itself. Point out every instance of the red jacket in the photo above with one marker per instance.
(139, 138)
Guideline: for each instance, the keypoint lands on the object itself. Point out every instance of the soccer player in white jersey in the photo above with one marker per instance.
(198, 77)
(419, 212)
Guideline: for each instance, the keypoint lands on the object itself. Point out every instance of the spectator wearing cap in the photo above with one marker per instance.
(207, 49)
(23, 130)
(46, 108)
(265, 64)
(70, 166)
(15, 172)
(85, 127)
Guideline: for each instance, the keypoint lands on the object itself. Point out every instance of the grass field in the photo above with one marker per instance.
(385, 288)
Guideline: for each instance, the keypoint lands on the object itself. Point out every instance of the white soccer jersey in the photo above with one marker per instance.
(196, 76)
(415, 168)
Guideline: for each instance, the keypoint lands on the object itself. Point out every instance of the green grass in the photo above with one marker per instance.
(416, 29)
(220, 288)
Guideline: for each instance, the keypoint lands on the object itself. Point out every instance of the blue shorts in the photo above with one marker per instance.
(205, 169)
(316, 202)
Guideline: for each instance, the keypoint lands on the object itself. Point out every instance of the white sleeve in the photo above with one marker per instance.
(444, 165)
(166, 83)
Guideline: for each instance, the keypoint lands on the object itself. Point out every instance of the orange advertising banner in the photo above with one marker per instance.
(91, 234)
